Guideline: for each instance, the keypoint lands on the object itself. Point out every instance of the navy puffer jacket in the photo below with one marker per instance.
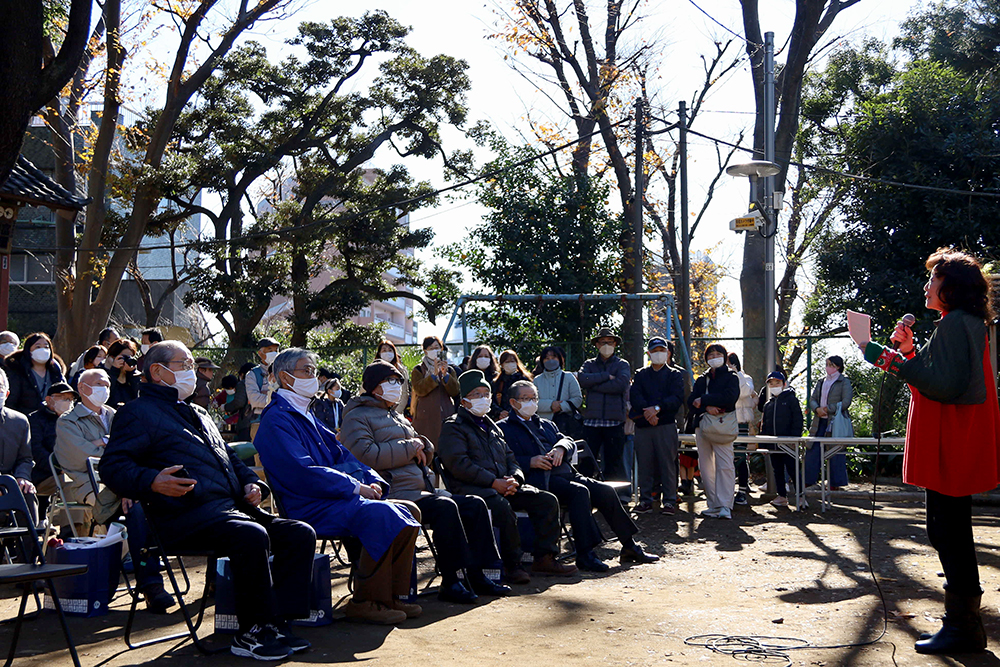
(154, 432)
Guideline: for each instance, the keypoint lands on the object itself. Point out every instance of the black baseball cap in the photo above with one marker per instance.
(655, 343)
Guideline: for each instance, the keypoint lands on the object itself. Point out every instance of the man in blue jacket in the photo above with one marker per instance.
(199, 495)
(656, 395)
(320, 482)
(545, 454)
(605, 380)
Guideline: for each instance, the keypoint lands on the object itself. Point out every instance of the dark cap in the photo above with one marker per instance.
(470, 380)
(61, 388)
(376, 373)
(266, 342)
(205, 362)
(605, 332)
(655, 343)
(776, 375)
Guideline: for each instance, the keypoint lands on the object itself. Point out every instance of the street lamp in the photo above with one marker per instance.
(755, 170)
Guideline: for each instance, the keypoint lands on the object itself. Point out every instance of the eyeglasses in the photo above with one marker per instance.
(392, 381)
(185, 364)
(310, 371)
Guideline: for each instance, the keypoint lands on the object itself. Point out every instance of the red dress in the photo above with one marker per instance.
(954, 449)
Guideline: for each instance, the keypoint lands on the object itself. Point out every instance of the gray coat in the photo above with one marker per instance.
(474, 457)
(840, 392)
(15, 444)
(605, 394)
(385, 441)
(76, 432)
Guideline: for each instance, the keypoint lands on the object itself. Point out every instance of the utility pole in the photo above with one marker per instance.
(638, 231)
(770, 230)
(685, 295)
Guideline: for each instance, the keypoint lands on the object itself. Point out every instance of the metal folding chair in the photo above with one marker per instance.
(33, 567)
(59, 503)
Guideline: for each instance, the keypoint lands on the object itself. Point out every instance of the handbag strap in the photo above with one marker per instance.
(562, 379)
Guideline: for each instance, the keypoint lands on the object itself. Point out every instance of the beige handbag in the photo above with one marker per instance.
(719, 430)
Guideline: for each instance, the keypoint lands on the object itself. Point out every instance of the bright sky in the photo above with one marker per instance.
(500, 96)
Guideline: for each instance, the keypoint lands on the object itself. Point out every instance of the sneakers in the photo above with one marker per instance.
(373, 612)
(260, 643)
(548, 564)
(411, 610)
(285, 636)
(780, 501)
(643, 507)
(725, 513)
(711, 513)
(668, 508)
(741, 498)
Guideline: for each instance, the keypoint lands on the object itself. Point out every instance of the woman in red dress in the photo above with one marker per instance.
(952, 432)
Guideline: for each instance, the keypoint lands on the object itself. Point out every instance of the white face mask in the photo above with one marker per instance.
(831, 371)
(337, 393)
(99, 395)
(230, 392)
(528, 409)
(658, 358)
(479, 406)
(270, 357)
(61, 407)
(7, 349)
(144, 348)
(510, 367)
(184, 382)
(391, 393)
(774, 391)
(431, 357)
(607, 350)
(716, 362)
(304, 387)
(41, 355)
(387, 356)
(482, 363)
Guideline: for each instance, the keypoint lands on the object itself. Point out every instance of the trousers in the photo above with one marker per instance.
(949, 529)
(462, 533)
(543, 511)
(718, 471)
(656, 460)
(580, 495)
(608, 445)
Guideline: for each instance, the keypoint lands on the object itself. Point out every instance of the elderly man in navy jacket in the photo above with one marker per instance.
(199, 495)
(545, 454)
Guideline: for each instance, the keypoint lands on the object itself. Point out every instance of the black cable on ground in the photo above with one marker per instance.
(776, 650)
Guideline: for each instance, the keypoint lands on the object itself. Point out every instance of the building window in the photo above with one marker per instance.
(31, 269)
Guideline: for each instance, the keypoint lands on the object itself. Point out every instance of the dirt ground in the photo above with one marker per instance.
(771, 572)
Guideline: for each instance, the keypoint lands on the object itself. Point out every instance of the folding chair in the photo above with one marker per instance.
(58, 502)
(155, 550)
(351, 545)
(34, 567)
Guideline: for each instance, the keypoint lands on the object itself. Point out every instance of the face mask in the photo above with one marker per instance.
(658, 358)
(230, 392)
(144, 348)
(304, 387)
(387, 356)
(607, 350)
(774, 391)
(510, 367)
(7, 349)
(99, 395)
(270, 357)
(41, 355)
(391, 392)
(528, 409)
(479, 406)
(716, 362)
(551, 364)
(184, 382)
(482, 363)
(61, 407)
(830, 370)
(337, 393)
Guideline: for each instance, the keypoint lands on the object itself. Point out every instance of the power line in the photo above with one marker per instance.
(353, 216)
(724, 26)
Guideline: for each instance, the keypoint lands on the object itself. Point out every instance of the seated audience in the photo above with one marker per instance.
(199, 495)
(121, 366)
(203, 390)
(148, 339)
(30, 372)
(477, 461)
(387, 352)
(384, 440)
(15, 448)
(545, 453)
(105, 339)
(320, 482)
(9, 343)
(327, 406)
(43, 434)
(94, 357)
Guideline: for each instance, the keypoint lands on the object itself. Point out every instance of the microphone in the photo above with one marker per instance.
(908, 321)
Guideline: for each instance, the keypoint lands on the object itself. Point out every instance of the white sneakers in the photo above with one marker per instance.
(717, 513)
(780, 501)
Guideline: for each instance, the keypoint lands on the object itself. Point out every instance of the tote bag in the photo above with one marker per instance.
(719, 430)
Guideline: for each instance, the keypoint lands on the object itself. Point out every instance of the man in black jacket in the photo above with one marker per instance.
(478, 462)
(199, 495)
(59, 400)
(656, 395)
(545, 453)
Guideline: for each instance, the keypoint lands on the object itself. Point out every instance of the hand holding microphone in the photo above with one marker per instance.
(902, 336)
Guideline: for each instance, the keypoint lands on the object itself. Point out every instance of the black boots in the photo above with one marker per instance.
(961, 630)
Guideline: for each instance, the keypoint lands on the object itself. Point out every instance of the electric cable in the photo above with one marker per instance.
(775, 650)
